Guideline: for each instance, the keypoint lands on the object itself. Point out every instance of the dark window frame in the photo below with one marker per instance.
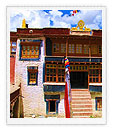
(98, 103)
(32, 70)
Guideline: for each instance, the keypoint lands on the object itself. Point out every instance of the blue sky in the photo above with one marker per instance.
(55, 18)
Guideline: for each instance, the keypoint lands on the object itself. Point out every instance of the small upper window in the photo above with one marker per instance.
(56, 47)
(86, 49)
(63, 48)
(30, 51)
(78, 48)
(71, 48)
(94, 49)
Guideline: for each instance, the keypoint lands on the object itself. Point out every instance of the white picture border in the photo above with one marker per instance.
(104, 72)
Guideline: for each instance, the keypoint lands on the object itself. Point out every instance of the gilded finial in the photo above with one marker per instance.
(23, 23)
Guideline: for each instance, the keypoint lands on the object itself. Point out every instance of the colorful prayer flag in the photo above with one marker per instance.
(67, 88)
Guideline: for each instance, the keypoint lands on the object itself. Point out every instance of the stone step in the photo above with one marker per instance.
(82, 114)
(78, 96)
(73, 94)
(81, 98)
(80, 92)
(82, 110)
(82, 106)
(81, 102)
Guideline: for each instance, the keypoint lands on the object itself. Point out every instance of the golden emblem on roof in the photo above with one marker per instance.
(80, 27)
(81, 24)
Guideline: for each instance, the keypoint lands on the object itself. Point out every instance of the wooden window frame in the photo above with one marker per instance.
(79, 49)
(51, 75)
(98, 103)
(86, 47)
(70, 48)
(35, 73)
(92, 76)
(94, 49)
(31, 55)
(79, 68)
(63, 48)
(99, 51)
(58, 52)
(57, 67)
(61, 75)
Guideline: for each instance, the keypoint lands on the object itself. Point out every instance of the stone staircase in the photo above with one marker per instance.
(81, 103)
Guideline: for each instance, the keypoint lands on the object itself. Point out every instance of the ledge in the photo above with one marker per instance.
(95, 84)
(93, 88)
(53, 83)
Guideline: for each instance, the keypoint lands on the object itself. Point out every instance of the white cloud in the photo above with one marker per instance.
(40, 19)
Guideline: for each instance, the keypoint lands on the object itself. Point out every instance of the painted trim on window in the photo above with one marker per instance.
(96, 98)
(47, 105)
(28, 76)
(30, 59)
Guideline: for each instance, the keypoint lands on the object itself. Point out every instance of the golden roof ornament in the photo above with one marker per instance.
(23, 23)
(80, 27)
(81, 24)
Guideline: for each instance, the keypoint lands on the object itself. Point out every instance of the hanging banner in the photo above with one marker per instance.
(67, 88)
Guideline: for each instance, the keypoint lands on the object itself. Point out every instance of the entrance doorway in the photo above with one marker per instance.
(79, 80)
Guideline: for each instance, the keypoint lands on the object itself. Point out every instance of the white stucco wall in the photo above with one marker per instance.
(33, 101)
(61, 107)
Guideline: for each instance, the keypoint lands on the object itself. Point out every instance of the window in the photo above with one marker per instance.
(78, 48)
(61, 73)
(71, 48)
(94, 49)
(51, 73)
(95, 73)
(100, 49)
(30, 51)
(59, 48)
(98, 103)
(78, 68)
(32, 75)
(12, 48)
(56, 47)
(86, 49)
(52, 102)
(63, 48)
(55, 73)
